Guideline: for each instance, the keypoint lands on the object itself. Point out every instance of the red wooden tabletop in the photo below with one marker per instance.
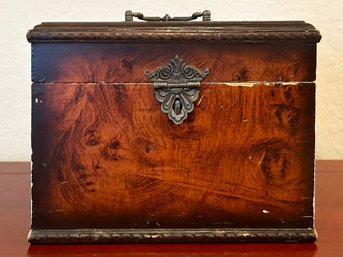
(15, 223)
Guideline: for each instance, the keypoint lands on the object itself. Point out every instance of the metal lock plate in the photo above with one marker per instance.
(177, 86)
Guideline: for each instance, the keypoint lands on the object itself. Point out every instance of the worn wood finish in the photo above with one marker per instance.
(15, 222)
(162, 235)
(195, 32)
(95, 62)
(108, 164)
(104, 156)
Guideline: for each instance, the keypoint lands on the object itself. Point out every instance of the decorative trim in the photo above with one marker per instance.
(177, 86)
(196, 32)
(36, 36)
(45, 236)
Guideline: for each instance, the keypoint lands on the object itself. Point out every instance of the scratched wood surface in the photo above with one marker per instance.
(15, 223)
(104, 155)
(95, 62)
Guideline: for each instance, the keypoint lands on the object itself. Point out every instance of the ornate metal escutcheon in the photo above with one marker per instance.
(177, 86)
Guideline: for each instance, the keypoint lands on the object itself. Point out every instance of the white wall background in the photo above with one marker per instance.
(16, 17)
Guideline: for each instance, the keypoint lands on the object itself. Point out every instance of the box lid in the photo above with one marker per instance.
(185, 31)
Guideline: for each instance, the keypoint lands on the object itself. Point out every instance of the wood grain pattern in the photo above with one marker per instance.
(15, 222)
(95, 62)
(104, 155)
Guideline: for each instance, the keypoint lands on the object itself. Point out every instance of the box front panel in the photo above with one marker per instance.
(105, 156)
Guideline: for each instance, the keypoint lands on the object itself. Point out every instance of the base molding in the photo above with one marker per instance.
(56, 236)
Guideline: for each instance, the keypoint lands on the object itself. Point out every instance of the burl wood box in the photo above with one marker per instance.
(169, 130)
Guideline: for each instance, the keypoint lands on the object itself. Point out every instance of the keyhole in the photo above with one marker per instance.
(177, 106)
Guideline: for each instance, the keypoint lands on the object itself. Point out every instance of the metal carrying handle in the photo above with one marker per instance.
(206, 16)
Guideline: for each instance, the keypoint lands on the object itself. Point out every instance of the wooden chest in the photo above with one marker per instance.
(173, 131)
